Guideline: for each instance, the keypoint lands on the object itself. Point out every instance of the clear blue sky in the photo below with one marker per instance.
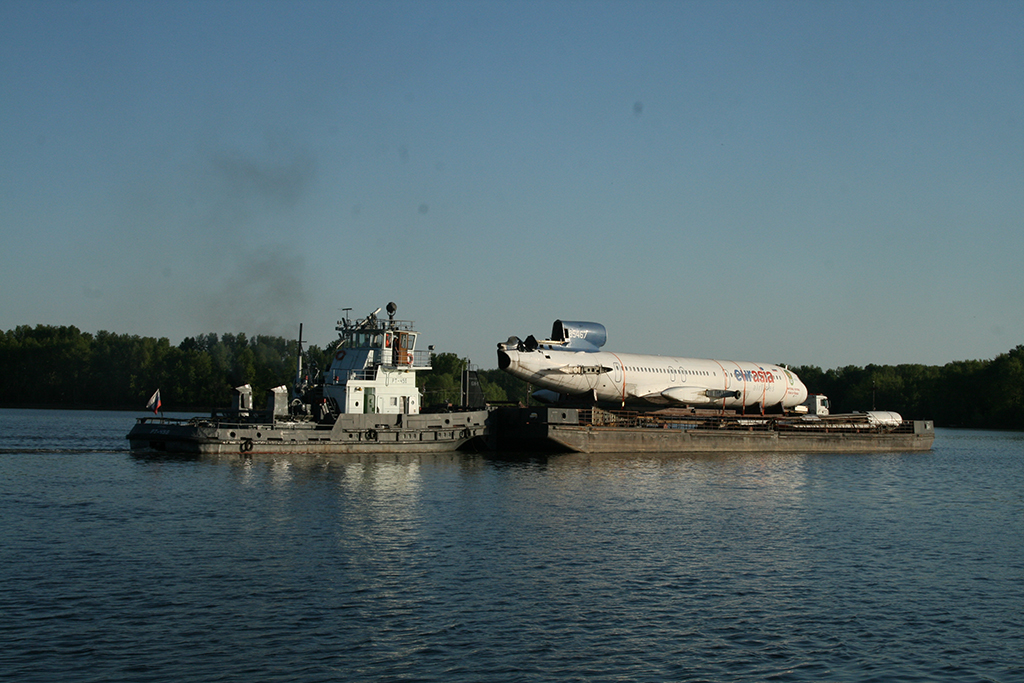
(825, 183)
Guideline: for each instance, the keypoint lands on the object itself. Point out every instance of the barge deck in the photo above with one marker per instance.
(593, 430)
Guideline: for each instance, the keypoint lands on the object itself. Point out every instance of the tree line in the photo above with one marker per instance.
(985, 394)
(61, 366)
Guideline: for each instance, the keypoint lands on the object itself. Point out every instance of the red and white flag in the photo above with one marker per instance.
(154, 402)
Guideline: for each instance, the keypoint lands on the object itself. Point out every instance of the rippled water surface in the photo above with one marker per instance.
(905, 567)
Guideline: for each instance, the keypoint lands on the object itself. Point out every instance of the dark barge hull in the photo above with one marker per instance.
(594, 431)
(373, 433)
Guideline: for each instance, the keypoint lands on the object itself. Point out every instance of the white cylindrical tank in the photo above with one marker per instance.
(884, 418)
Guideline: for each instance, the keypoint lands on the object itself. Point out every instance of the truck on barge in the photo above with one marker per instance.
(367, 401)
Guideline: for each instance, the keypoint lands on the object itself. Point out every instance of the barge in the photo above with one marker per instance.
(595, 430)
(367, 401)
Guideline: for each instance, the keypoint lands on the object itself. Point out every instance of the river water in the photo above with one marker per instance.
(746, 567)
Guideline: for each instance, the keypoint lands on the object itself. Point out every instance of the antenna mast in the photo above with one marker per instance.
(298, 368)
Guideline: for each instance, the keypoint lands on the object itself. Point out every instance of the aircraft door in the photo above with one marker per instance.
(776, 387)
(732, 383)
(616, 372)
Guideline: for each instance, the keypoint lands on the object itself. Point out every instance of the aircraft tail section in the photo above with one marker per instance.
(579, 335)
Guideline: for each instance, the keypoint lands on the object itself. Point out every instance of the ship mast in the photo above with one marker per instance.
(298, 367)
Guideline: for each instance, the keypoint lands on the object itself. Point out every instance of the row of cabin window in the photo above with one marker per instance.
(692, 372)
(684, 372)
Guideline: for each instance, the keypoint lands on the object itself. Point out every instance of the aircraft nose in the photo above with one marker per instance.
(503, 360)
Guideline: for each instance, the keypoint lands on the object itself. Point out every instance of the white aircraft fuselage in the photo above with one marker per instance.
(570, 364)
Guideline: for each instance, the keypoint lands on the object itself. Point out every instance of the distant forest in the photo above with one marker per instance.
(48, 366)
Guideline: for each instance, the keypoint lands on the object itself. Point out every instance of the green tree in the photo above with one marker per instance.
(443, 383)
(510, 388)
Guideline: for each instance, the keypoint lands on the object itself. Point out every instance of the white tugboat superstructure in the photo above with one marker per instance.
(374, 366)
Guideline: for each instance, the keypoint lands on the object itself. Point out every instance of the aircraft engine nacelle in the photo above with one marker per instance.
(697, 395)
(579, 335)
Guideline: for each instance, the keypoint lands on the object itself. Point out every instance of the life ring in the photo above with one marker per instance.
(339, 355)
(410, 359)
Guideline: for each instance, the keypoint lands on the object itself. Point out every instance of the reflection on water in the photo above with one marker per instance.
(465, 567)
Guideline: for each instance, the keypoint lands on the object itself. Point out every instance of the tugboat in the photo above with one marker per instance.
(365, 402)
